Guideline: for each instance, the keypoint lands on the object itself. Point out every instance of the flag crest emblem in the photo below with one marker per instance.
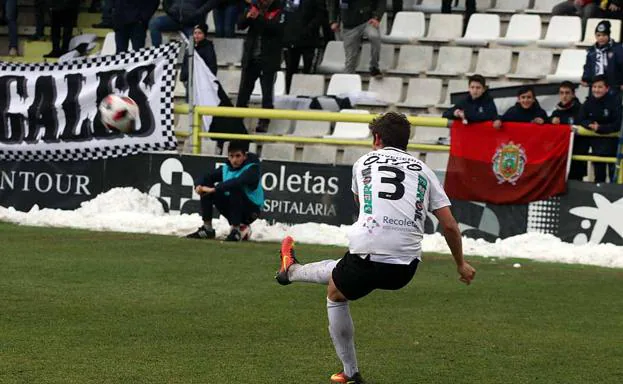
(509, 162)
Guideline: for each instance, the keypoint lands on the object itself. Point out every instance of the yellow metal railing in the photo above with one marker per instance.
(283, 114)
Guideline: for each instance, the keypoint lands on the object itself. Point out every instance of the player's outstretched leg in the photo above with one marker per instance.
(290, 270)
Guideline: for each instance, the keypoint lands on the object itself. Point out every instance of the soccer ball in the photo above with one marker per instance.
(119, 113)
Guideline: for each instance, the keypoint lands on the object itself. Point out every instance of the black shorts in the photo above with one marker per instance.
(356, 277)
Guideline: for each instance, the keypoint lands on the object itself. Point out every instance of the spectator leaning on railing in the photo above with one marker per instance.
(604, 58)
(527, 108)
(477, 106)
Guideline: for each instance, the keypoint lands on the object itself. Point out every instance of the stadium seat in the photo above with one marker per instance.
(180, 89)
(407, 5)
(533, 64)
(230, 80)
(562, 32)
(493, 62)
(481, 29)
(422, 93)
(510, 6)
(208, 147)
(570, 66)
(429, 135)
(481, 5)
(307, 85)
(522, 30)
(452, 61)
(333, 60)
(437, 161)
(543, 7)
(414, 59)
(383, 25)
(308, 128)
(454, 86)
(407, 28)
(352, 154)
(278, 151)
(228, 51)
(345, 130)
(109, 47)
(319, 154)
(589, 35)
(388, 91)
(443, 28)
(502, 84)
(343, 83)
(386, 59)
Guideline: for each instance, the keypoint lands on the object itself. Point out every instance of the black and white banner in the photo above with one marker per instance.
(49, 111)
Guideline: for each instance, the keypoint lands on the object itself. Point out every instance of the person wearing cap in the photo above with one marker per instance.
(205, 49)
(605, 57)
(130, 20)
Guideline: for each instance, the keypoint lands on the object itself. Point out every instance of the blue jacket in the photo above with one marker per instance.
(518, 114)
(476, 110)
(605, 111)
(248, 179)
(613, 54)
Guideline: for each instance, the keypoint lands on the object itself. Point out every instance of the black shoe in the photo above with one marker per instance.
(55, 54)
(102, 25)
(262, 126)
(234, 235)
(376, 73)
(202, 233)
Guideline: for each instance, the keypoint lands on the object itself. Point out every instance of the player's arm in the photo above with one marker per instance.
(452, 233)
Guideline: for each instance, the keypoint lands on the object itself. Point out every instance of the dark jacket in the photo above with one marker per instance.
(568, 114)
(613, 54)
(519, 115)
(132, 11)
(476, 110)
(302, 27)
(190, 12)
(250, 177)
(59, 5)
(205, 49)
(605, 111)
(355, 12)
(266, 30)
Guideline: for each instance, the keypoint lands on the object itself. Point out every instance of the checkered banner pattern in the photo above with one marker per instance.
(49, 111)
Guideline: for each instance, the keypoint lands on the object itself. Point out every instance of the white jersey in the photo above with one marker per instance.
(395, 190)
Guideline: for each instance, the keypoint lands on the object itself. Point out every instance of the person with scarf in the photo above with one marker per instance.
(604, 58)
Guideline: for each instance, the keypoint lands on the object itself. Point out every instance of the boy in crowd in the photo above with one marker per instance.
(601, 113)
(476, 107)
(567, 112)
(604, 58)
(527, 108)
(235, 189)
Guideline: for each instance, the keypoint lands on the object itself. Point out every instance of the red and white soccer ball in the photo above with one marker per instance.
(119, 113)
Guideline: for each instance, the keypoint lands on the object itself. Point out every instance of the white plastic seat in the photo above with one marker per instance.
(278, 151)
(307, 85)
(388, 91)
(407, 28)
(230, 80)
(452, 61)
(493, 62)
(352, 154)
(543, 7)
(510, 6)
(308, 128)
(437, 161)
(278, 90)
(109, 47)
(570, 66)
(562, 32)
(481, 29)
(228, 51)
(429, 135)
(333, 60)
(522, 30)
(533, 64)
(414, 59)
(386, 58)
(422, 93)
(319, 154)
(343, 83)
(345, 130)
(591, 24)
(443, 28)
(454, 86)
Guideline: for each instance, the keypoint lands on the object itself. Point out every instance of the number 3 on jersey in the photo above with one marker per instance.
(396, 181)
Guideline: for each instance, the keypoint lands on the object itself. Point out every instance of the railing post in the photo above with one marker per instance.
(196, 129)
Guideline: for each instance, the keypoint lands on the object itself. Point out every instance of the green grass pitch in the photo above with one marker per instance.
(92, 307)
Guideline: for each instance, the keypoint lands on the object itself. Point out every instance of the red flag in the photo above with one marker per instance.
(520, 163)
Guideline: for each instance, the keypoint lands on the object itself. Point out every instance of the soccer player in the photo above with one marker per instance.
(394, 191)
(236, 190)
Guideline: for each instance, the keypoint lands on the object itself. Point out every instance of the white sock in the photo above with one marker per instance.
(342, 332)
(319, 272)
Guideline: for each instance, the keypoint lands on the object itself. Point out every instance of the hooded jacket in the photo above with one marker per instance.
(568, 114)
(476, 110)
(606, 111)
(518, 114)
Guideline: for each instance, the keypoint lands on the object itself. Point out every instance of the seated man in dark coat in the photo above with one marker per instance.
(527, 108)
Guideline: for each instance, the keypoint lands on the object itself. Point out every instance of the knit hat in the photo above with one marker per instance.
(603, 27)
(203, 27)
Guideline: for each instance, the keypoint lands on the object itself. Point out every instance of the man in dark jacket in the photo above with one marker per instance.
(302, 34)
(604, 58)
(568, 112)
(527, 108)
(359, 18)
(601, 113)
(64, 16)
(476, 107)
(236, 190)
(130, 20)
(261, 56)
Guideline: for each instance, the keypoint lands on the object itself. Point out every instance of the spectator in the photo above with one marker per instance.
(236, 190)
(527, 108)
(568, 112)
(130, 19)
(359, 18)
(225, 17)
(10, 16)
(181, 15)
(477, 106)
(106, 7)
(470, 9)
(612, 9)
(41, 9)
(604, 58)
(586, 9)
(205, 49)
(64, 16)
(301, 34)
(261, 56)
(601, 113)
